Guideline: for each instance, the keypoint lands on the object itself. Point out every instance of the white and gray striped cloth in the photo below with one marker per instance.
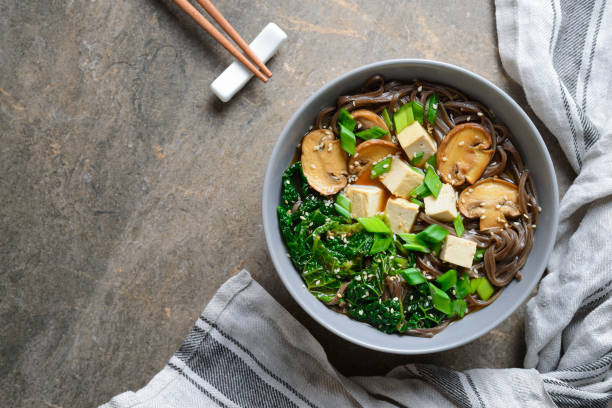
(247, 351)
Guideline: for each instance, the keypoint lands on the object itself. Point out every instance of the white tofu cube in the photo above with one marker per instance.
(414, 139)
(366, 201)
(443, 208)
(402, 214)
(458, 251)
(401, 178)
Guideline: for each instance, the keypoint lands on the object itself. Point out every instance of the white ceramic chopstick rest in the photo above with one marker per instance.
(236, 75)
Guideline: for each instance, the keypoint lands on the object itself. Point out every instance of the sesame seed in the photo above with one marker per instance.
(392, 310)
(395, 299)
(411, 297)
(303, 285)
(483, 203)
(434, 106)
(428, 297)
(317, 282)
(526, 216)
(539, 209)
(356, 155)
(468, 118)
(287, 182)
(360, 312)
(479, 113)
(329, 149)
(373, 173)
(313, 166)
(359, 125)
(358, 277)
(470, 190)
(444, 158)
(420, 88)
(356, 163)
(461, 143)
(533, 225)
(302, 218)
(482, 217)
(498, 206)
(385, 166)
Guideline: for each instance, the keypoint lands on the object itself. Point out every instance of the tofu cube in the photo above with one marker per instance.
(366, 201)
(414, 139)
(402, 214)
(401, 178)
(458, 251)
(443, 208)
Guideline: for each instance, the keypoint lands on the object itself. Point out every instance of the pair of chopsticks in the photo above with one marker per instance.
(212, 30)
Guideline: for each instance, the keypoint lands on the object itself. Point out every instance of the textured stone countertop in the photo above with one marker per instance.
(129, 193)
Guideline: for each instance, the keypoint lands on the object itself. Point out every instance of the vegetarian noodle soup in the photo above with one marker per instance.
(408, 207)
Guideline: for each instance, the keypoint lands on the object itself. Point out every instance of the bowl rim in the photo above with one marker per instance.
(268, 200)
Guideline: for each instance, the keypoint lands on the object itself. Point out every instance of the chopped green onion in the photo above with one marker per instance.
(479, 254)
(484, 289)
(432, 161)
(433, 234)
(372, 133)
(403, 117)
(387, 118)
(343, 201)
(381, 167)
(474, 284)
(413, 276)
(432, 108)
(420, 191)
(417, 158)
(440, 299)
(342, 211)
(374, 224)
(381, 243)
(432, 181)
(417, 202)
(463, 287)
(347, 139)
(413, 243)
(447, 280)
(417, 111)
(458, 224)
(345, 119)
(459, 307)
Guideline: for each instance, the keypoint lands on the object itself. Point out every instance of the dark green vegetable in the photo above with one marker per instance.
(347, 139)
(432, 109)
(345, 119)
(413, 243)
(432, 181)
(417, 111)
(433, 234)
(403, 117)
(440, 299)
(381, 243)
(386, 315)
(479, 254)
(385, 115)
(372, 133)
(413, 276)
(420, 191)
(417, 158)
(447, 280)
(374, 224)
(381, 167)
(458, 224)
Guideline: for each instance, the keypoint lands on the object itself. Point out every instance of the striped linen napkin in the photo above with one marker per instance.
(247, 351)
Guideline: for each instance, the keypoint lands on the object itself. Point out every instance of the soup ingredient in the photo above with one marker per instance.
(381, 167)
(372, 133)
(401, 178)
(458, 224)
(324, 162)
(365, 200)
(381, 243)
(492, 200)
(416, 158)
(415, 140)
(403, 117)
(441, 300)
(483, 287)
(366, 119)
(463, 286)
(413, 276)
(374, 224)
(420, 191)
(444, 207)
(459, 307)
(433, 234)
(413, 243)
(347, 139)
(369, 152)
(417, 111)
(343, 205)
(387, 118)
(432, 181)
(464, 154)
(402, 214)
(447, 280)
(432, 109)
(458, 251)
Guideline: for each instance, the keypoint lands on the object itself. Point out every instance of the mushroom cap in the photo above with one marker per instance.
(369, 119)
(464, 154)
(370, 151)
(491, 198)
(324, 162)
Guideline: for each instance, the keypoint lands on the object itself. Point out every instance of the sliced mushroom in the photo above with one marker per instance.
(370, 151)
(367, 119)
(324, 162)
(491, 200)
(464, 154)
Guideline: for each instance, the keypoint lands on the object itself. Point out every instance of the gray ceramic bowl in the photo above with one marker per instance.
(527, 140)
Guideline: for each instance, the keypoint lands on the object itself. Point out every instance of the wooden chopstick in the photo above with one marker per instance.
(205, 24)
(214, 13)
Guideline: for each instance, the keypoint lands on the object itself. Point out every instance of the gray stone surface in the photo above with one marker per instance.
(129, 193)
